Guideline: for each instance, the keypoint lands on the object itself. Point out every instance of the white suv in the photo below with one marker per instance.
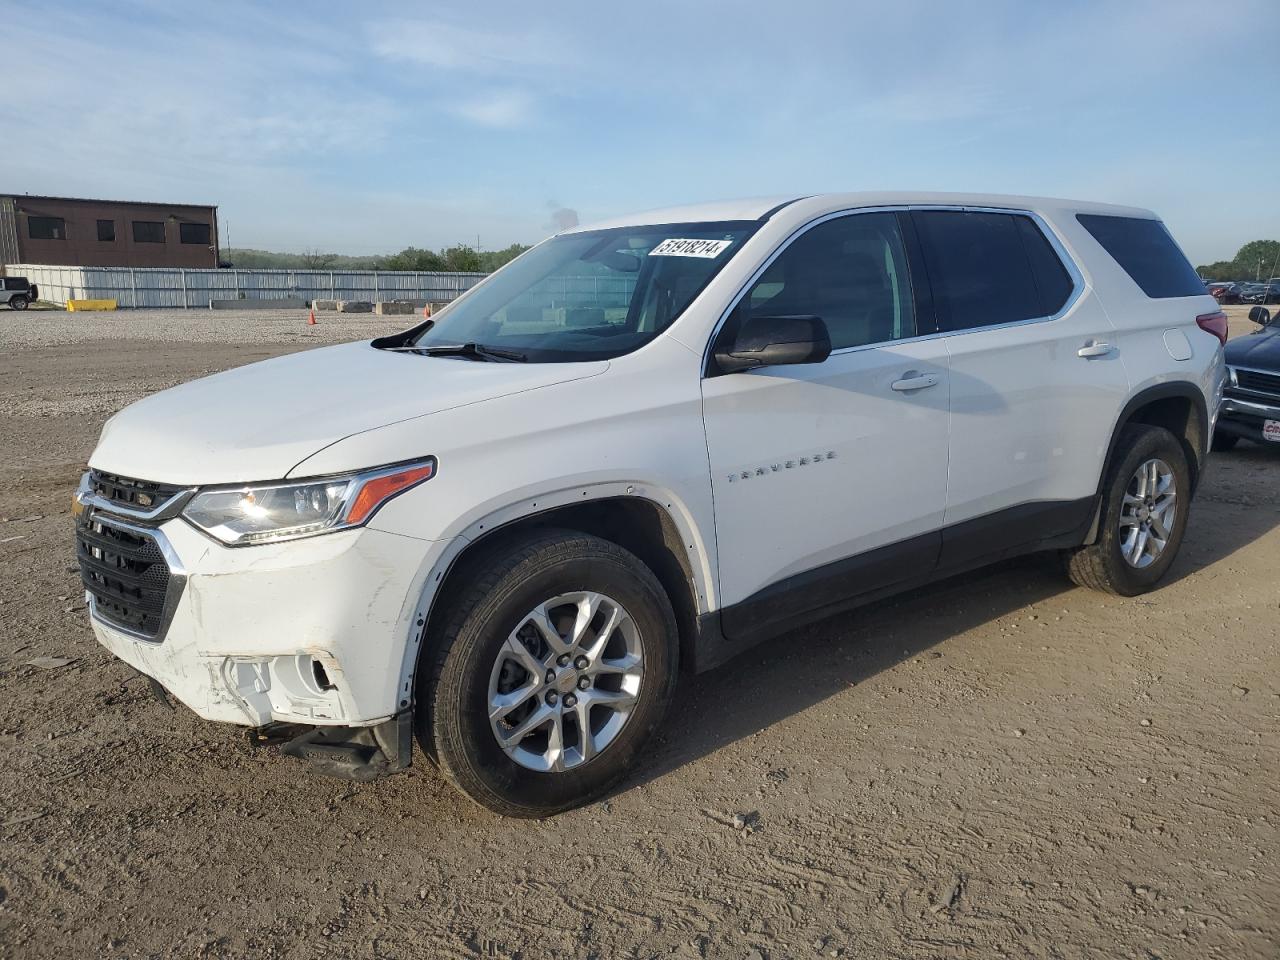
(642, 447)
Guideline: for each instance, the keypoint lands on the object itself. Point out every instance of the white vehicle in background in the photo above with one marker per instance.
(17, 292)
(643, 447)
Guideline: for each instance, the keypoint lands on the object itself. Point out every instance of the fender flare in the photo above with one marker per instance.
(1182, 389)
(699, 549)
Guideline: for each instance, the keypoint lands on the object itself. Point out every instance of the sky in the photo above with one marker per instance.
(365, 128)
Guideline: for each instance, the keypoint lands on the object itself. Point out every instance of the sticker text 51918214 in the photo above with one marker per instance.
(690, 248)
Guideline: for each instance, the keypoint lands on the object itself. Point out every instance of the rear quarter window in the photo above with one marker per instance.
(1147, 253)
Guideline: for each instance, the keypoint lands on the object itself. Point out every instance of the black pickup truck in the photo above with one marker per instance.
(1250, 407)
(17, 292)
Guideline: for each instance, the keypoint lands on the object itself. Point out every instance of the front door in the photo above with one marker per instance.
(830, 479)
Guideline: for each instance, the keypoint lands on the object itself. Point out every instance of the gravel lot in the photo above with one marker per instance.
(1000, 765)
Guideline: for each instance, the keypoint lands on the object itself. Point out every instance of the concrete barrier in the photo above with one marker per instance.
(355, 306)
(74, 305)
(324, 304)
(282, 303)
(385, 308)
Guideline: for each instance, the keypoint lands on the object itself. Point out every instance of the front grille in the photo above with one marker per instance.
(132, 494)
(1255, 381)
(126, 574)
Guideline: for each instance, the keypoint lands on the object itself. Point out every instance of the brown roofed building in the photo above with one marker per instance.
(106, 233)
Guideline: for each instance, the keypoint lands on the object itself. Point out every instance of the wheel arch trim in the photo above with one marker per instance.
(699, 552)
(1170, 389)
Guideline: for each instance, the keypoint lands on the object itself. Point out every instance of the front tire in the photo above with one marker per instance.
(1145, 503)
(556, 662)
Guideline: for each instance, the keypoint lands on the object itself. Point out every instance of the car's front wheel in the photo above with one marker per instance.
(556, 661)
(1145, 502)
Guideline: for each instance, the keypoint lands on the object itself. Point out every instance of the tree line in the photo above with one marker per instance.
(1256, 260)
(456, 259)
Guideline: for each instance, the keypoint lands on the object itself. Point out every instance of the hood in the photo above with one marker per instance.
(256, 422)
(1260, 350)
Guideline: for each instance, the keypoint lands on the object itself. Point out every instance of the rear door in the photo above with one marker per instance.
(830, 479)
(1036, 380)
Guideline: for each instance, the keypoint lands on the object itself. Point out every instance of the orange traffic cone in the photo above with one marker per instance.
(311, 318)
(426, 310)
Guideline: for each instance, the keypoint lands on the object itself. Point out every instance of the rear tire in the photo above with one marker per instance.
(1222, 442)
(573, 630)
(1139, 529)
(19, 302)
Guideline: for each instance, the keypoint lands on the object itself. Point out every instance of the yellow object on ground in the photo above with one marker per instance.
(74, 305)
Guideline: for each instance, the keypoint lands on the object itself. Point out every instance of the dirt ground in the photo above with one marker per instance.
(998, 766)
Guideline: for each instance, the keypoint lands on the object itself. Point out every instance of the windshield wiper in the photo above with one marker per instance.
(472, 351)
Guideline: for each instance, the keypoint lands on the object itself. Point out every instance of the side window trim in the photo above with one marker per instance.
(708, 365)
(921, 284)
(1068, 262)
(922, 289)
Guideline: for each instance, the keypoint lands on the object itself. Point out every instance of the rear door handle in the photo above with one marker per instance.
(1094, 348)
(912, 380)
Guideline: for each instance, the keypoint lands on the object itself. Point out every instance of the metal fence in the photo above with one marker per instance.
(175, 287)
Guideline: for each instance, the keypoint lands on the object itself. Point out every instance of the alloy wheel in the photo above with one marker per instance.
(1147, 513)
(565, 681)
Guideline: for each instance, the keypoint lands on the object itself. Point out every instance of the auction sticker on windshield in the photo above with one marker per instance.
(690, 248)
(1271, 430)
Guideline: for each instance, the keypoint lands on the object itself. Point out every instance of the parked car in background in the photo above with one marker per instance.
(1264, 292)
(17, 292)
(1225, 292)
(510, 527)
(1250, 407)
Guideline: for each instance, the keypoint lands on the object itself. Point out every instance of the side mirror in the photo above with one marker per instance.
(773, 342)
(1260, 315)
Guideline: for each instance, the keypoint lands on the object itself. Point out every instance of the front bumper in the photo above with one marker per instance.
(247, 631)
(1245, 418)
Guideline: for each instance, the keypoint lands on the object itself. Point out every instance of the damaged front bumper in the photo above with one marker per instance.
(312, 631)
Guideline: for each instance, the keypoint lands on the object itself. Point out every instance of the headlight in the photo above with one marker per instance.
(263, 512)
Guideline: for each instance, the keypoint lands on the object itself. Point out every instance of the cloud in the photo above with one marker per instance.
(432, 43)
(154, 110)
(353, 129)
(503, 109)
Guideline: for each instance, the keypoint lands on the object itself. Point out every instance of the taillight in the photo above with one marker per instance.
(1215, 323)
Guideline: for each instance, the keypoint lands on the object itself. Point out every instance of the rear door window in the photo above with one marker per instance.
(989, 268)
(1147, 253)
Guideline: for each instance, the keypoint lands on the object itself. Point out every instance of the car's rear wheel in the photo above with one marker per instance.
(1145, 502)
(19, 302)
(556, 662)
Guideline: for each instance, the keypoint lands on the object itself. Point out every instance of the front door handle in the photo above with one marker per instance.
(912, 380)
(1094, 348)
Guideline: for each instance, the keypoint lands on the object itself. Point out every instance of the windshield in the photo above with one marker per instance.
(587, 296)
